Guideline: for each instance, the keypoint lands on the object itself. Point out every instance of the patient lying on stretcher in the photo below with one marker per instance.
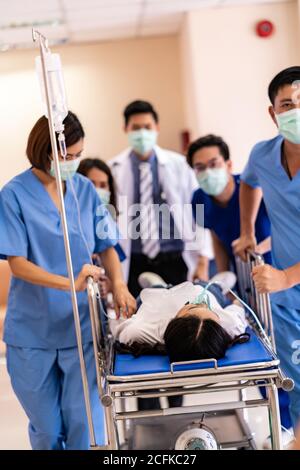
(172, 320)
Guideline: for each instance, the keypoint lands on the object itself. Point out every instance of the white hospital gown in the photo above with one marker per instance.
(160, 306)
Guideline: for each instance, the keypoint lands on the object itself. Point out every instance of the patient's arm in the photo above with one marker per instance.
(130, 331)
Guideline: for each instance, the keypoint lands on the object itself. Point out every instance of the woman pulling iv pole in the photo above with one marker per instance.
(51, 223)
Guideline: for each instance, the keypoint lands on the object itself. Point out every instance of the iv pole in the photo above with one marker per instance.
(43, 45)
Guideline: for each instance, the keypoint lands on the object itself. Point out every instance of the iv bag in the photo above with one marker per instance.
(57, 92)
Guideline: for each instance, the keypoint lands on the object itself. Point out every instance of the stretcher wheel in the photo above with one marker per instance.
(197, 438)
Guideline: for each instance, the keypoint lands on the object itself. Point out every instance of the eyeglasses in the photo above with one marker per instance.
(215, 162)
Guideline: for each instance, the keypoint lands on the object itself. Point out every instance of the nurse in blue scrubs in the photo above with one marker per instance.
(42, 357)
(274, 167)
(219, 191)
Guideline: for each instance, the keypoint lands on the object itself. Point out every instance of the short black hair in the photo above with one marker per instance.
(87, 164)
(190, 338)
(209, 140)
(285, 77)
(139, 107)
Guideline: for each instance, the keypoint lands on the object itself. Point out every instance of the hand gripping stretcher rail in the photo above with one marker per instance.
(207, 426)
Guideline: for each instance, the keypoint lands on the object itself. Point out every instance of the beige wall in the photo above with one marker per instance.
(100, 80)
(231, 68)
(213, 77)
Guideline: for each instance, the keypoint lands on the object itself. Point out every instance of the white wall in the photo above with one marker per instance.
(100, 80)
(227, 68)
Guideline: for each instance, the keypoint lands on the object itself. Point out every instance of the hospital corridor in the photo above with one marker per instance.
(149, 230)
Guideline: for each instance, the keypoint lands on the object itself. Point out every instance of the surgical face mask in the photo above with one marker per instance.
(289, 125)
(104, 195)
(68, 168)
(213, 180)
(143, 140)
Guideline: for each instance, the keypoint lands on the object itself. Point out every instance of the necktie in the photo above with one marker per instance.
(148, 225)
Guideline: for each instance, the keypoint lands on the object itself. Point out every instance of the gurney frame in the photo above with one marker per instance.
(114, 390)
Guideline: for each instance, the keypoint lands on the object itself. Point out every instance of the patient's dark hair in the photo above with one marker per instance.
(140, 349)
(190, 338)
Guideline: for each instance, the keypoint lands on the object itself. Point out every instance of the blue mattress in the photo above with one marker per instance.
(247, 353)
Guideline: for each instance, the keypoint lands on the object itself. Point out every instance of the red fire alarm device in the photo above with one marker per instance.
(264, 28)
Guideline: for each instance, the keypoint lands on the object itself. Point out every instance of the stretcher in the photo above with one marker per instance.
(209, 425)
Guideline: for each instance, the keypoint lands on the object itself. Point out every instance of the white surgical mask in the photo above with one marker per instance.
(143, 140)
(104, 195)
(289, 125)
(68, 168)
(213, 180)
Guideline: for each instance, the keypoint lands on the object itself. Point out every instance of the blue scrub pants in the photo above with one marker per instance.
(287, 335)
(49, 388)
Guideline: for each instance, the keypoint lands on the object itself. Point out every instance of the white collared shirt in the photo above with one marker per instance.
(160, 306)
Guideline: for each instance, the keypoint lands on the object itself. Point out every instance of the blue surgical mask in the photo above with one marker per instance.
(213, 180)
(68, 168)
(143, 140)
(289, 125)
(104, 195)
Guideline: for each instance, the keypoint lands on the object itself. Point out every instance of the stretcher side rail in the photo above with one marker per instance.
(199, 361)
(95, 306)
(261, 304)
(193, 380)
(272, 367)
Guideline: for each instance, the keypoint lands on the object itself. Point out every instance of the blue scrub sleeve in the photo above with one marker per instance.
(13, 233)
(249, 175)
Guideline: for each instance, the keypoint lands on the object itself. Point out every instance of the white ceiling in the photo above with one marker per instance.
(96, 20)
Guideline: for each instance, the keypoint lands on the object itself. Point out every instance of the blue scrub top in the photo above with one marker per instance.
(225, 221)
(30, 226)
(282, 199)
